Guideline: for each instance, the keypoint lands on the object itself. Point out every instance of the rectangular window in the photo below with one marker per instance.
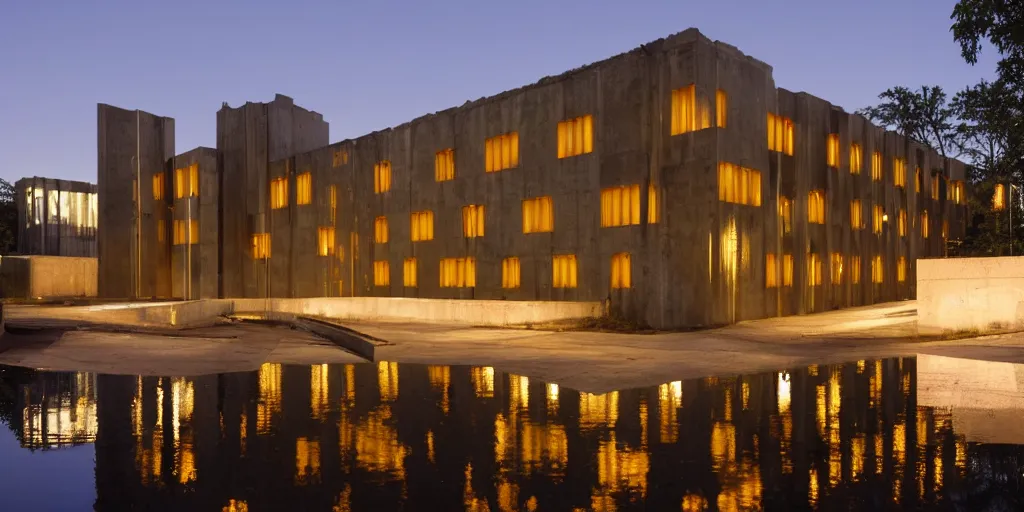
(158, 186)
(816, 207)
(780, 134)
(261, 246)
(787, 270)
(179, 232)
(957, 192)
(501, 152)
(458, 273)
(856, 158)
(576, 136)
(721, 108)
(652, 204)
(622, 276)
(380, 230)
(332, 194)
(901, 269)
(444, 165)
(813, 269)
(918, 180)
(620, 206)
(278, 193)
(902, 222)
(998, 197)
(738, 184)
(924, 224)
(180, 182)
(186, 231)
(409, 272)
(510, 272)
(325, 241)
(382, 177)
(833, 150)
(936, 179)
(538, 215)
(836, 267)
(877, 217)
(771, 271)
(876, 166)
(684, 110)
(856, 215)
(563, 271)
(473, 221)
(304, 188)
(877, 270)
(899, 172)
(855, 269)
(161, 230)
(339, 158)
(945, 229)
(381, 273)
(422, 226)
(786, 214)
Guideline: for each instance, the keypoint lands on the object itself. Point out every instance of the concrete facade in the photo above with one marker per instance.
(30, 277)
(195, 255)
(56, 217)
(981, 294)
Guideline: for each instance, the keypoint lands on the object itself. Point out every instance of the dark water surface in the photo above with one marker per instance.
(412, 437)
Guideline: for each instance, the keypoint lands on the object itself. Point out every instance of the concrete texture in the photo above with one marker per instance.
(983, 294)
(194, 267)
(56, 217)
(986, 397)
(31, 277)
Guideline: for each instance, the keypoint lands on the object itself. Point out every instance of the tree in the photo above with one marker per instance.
(922, 115)
(8, 218)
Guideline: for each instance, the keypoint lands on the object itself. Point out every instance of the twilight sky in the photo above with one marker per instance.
(367, 65)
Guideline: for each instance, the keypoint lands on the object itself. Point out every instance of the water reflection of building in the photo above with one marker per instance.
(57, 410)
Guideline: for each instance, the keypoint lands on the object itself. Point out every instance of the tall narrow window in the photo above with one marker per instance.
(945, 229)
(957, 192)
(856, 215)
(422, 226)
(901, 269)
(833, 150)
(576, 136)
(193, 231)
(458, 273)
(918, 180)
(444, 165)
(738, 184)
(786, 214)
(620, 206)
(380, 230)
(684, 110)
(278, 193)
(261, 246)
(855, 269)
(816, 207)
(339, 158)
(813, 269)
(193, 180)
(304, 188)
(771, 271)
(510, 272)
(382, 177)
(158, 186)
(179, 232)
(161, 230)
(856, 158)
(877, 270)
(538, 215)
(622, 276)
(332, 194)
(876, 166)
(652, 204)
(924, 224)
(721, 108)
(877, 217)
(836, 267)
(501, 152)
(936, 183)
(780, 134)
(409, 272)
(901, 222)
(563, 271)
(325, 241)
(473, 221)
(899, 172)
(998, 197)
(186, 181)
(381, 273)
(787, 270)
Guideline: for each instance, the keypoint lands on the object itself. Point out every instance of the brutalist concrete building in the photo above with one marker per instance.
(675, 181)
(56, 217)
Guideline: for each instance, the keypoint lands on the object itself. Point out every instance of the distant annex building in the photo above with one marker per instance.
(675, 181)
(56, 217)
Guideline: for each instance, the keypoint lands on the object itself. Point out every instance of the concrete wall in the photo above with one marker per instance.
(971, 293)
(194, 267)
(27, 277)
(56, 217)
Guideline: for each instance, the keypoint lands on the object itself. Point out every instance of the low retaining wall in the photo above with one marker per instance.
(983, 294)
(30, 277)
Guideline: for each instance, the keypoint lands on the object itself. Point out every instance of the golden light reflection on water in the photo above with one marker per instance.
(387, 381)
(483, 381)
(599, 410)
(269, 403)
(318, 391)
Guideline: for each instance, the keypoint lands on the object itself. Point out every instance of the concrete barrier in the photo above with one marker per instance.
(29, 277)
(983, 294)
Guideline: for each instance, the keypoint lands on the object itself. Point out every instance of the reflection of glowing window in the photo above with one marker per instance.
(599, 410)
(269, 402)
(483, 381)
(307, 461)
(387, 380)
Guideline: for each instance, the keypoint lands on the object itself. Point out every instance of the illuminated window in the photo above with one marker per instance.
(877, 217)
(786, 214)
(924, 224)
(738, 184)
(856, 158)
(856, 215)
(510, 272)
(179, 232)
(787, 270)
(444, 165)
(877, 270)
(855, 269)
(652, 204)
(836, 267)
(332, 193)
(458, 273)
(901, 222)
(833, 150)
(538, 215)
(161, 230)
(936, 180)
(620, 206)
(721, 108)
(621, 271)
(261, 246)
(876, 166)
(816, 207)
(957, 192)
(501, 152)
(901, 269)
(771, 271)
(380, 230)
(563, 271)
(473, 220)
(278, 193)
(339, 158)
(304, 188)
(576, 136)
(945, 229)
(813, 269)
(325, 241)
(186, 230)
(684, 110)
(158, 186)
(422, 224)
(409, 272)
(998, 201)
(186, 181)
(780, 134)
(381, 273)
(899, 172)
(382, 177)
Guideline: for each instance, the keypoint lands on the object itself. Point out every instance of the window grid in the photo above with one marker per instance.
(576, 136)
(621, 271)
(538, 215)
(563, 271)
(473, 221)
(186, 181)
(186, 232)
(501, 152)
(444, 165)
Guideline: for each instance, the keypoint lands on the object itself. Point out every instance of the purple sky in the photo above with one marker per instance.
(372, 64)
